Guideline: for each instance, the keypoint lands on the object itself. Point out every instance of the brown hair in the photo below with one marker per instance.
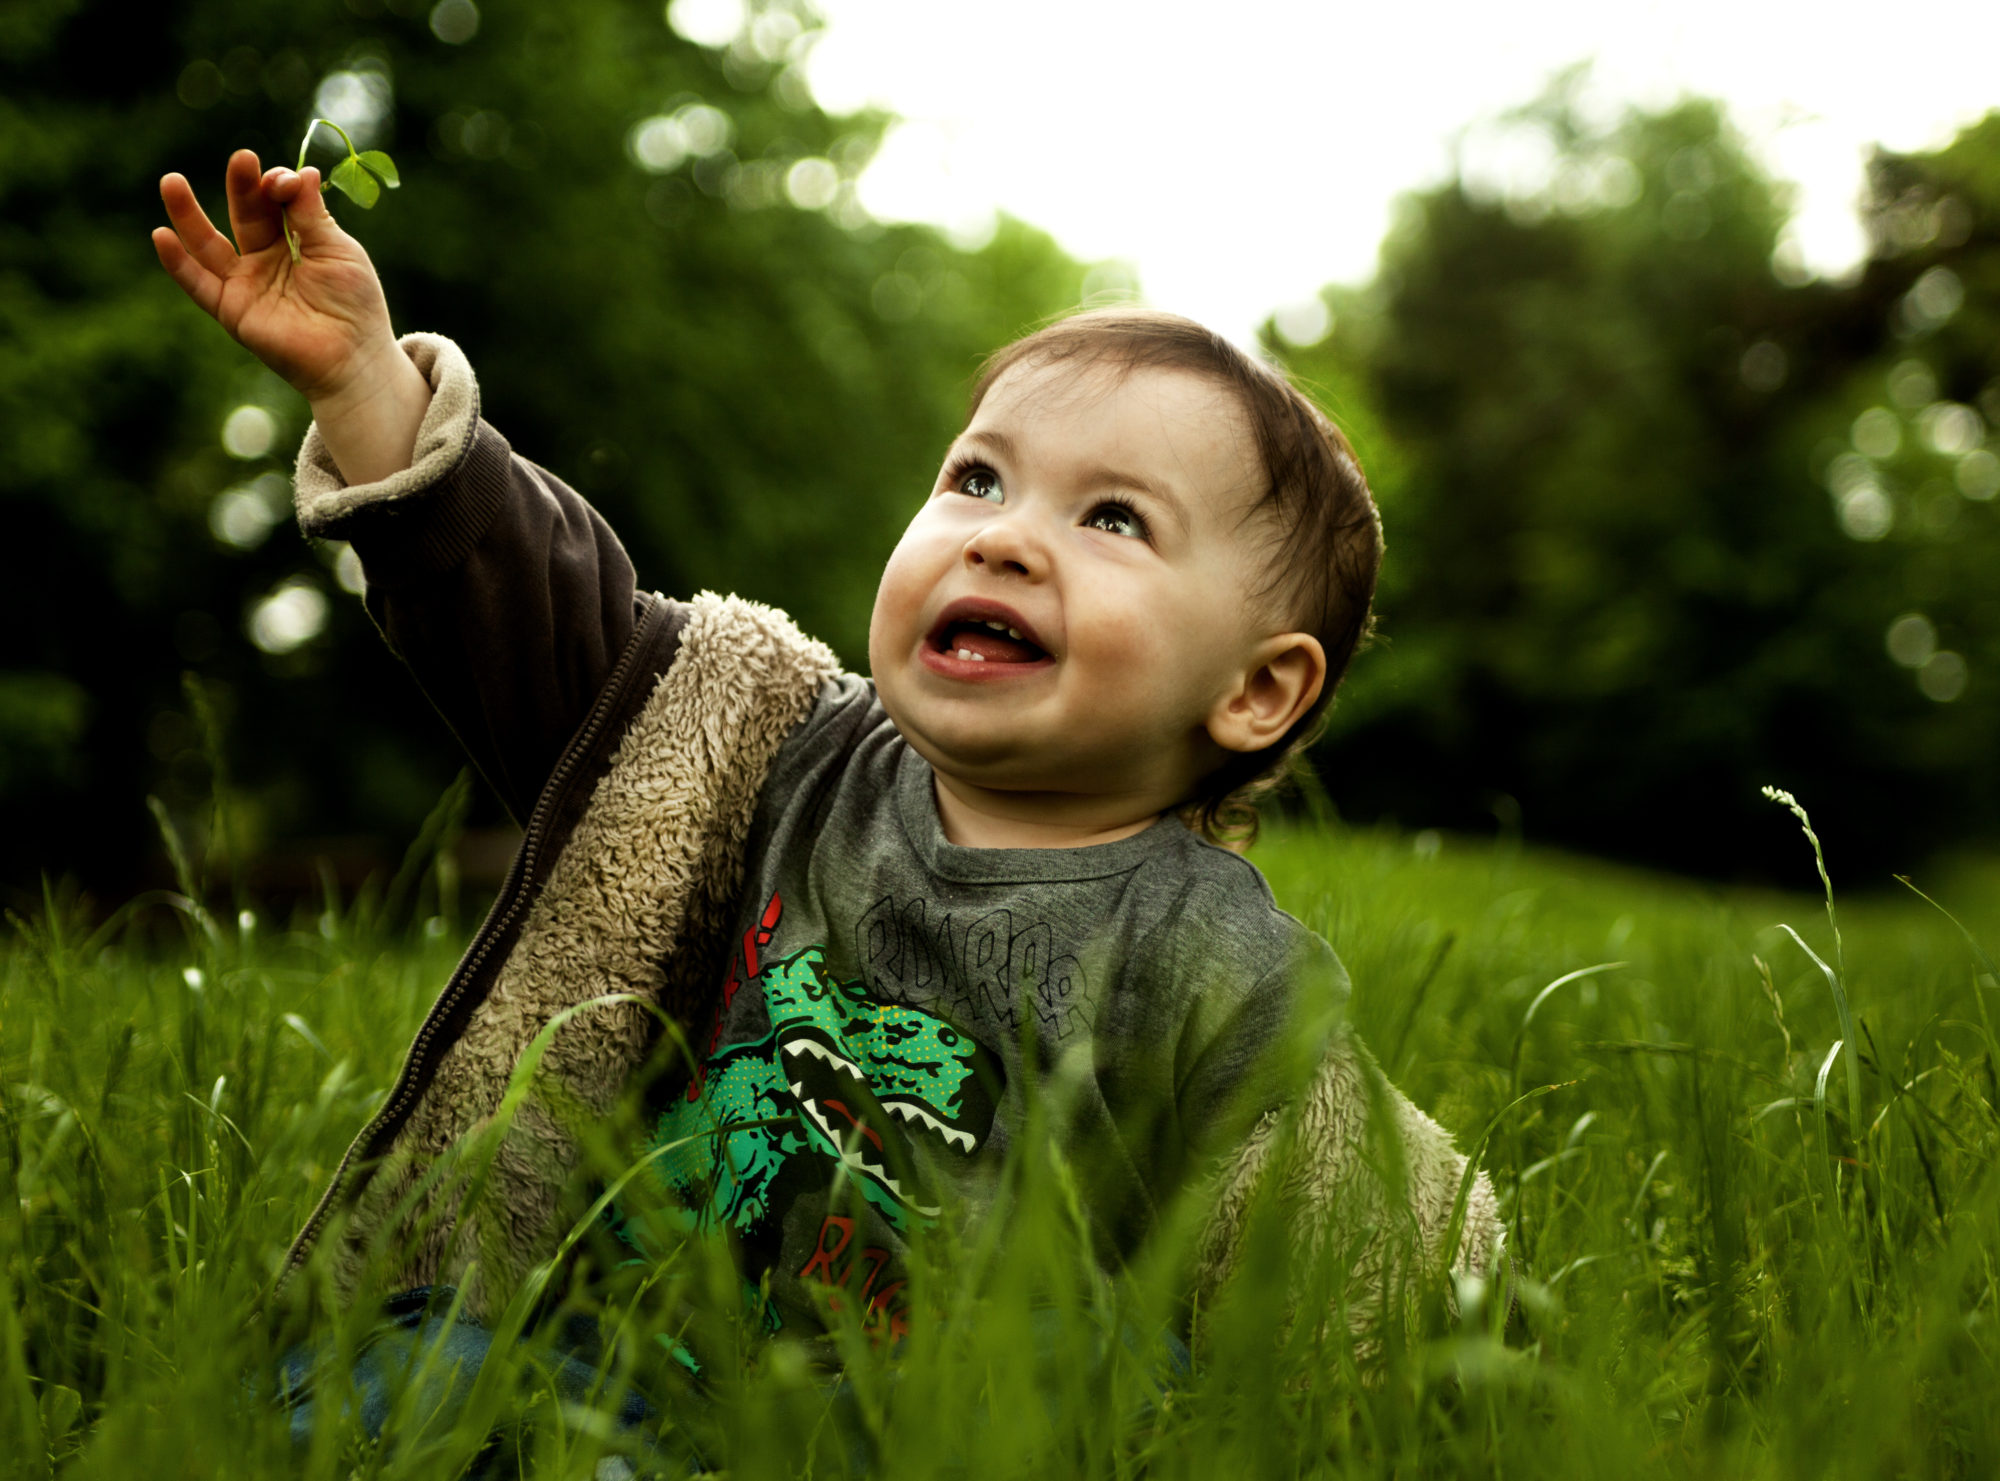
(1326, 533)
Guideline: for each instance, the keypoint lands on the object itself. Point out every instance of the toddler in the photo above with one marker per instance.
(876, 906)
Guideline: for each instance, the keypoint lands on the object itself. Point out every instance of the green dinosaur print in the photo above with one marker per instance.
(841, 1082)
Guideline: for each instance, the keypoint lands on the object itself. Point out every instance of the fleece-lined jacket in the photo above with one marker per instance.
(632, 735)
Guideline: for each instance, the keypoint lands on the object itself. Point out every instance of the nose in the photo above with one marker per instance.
(1005, 545)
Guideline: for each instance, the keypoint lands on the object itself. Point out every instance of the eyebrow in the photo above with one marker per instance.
(1001, 445)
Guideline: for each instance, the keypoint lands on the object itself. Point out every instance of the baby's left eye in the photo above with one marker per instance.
(1117, 519)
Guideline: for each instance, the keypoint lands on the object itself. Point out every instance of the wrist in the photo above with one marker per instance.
(369, 421)
(368, 376)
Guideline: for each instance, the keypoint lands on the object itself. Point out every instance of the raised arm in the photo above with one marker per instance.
(508, 596)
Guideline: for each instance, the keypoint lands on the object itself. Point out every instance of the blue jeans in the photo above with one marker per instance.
(416, 1344)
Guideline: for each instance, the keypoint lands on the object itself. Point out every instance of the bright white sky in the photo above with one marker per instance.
(1240, 153)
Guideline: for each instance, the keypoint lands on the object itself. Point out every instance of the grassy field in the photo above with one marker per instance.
(1744, 1254)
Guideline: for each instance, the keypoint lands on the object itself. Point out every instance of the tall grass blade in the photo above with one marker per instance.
(1535, 1006)
(1455, 1226)
(1786, 800)
(1847, 1033)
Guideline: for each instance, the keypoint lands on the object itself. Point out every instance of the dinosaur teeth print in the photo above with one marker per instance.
(855, 1160)
(820, 1051)
(903, 1110)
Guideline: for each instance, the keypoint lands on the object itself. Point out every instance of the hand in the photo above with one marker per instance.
(320, 322)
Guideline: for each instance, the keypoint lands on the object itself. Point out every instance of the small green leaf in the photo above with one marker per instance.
(60, 1408)
(381, 164)
(355, 183)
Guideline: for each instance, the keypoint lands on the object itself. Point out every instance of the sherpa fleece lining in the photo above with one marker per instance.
(636, 903)
(325, 499)
(1330, 1174)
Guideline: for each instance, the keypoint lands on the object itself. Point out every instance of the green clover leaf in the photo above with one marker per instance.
(355, 183)
(379, 163)
(360, 177)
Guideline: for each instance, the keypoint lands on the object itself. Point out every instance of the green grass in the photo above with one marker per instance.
(1728, 1274)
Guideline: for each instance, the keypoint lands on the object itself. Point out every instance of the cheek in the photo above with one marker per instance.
(1132, 644)
(1119, 636)
(1173, 644)
(899, 596)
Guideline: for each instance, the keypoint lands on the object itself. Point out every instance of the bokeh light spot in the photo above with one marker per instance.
(1788, 262)
(657, 144)
(1764, 367)
(1911, 640)
(1866, 513)
(358, 100)
(705, 130)
(1951, 429)
(1848, 472)
(756, 184)
(1978, 475)
(454, 22)
(1933, 298)
(290, 617)
(707, 22)
(249, 432)
(1943, 678)
(1304, 323)
(1912, 385)
(244, 516)
(200, 85)
(485, 134)
(772, 34)
(812, 183)
(348, 573)
(1878, 432)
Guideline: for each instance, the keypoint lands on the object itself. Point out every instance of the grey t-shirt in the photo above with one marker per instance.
(892, 996)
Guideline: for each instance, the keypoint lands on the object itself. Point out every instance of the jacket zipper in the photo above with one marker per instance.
(514, 894)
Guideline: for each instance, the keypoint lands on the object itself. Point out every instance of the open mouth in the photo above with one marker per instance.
(981, 634)
(834, 1094)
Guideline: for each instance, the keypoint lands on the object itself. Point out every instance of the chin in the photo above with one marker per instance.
(962, 749)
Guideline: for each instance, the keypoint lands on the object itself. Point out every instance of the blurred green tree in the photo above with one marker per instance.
(1668, 520)
(651, 250)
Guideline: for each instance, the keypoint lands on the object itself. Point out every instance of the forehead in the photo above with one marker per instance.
(1169, 427)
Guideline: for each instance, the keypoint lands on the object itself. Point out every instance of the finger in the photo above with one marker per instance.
(254, 220)
(196, 281)
(191, 224)
(282, 187)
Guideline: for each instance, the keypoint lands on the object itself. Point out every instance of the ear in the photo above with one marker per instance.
(1280, 682)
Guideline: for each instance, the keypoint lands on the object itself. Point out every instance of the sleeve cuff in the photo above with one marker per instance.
(325, 500)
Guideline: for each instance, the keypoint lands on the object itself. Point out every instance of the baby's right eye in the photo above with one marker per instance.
(980, 483)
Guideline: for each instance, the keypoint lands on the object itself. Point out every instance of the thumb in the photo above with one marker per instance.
(307, 212)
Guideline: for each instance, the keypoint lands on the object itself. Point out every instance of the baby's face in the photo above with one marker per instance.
(1071, 602)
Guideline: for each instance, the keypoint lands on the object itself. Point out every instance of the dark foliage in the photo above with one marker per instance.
(1648, 539)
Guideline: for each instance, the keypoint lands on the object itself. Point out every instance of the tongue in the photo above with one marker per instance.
(994, 647)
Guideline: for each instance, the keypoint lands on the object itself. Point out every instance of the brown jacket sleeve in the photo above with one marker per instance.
(507, 595)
